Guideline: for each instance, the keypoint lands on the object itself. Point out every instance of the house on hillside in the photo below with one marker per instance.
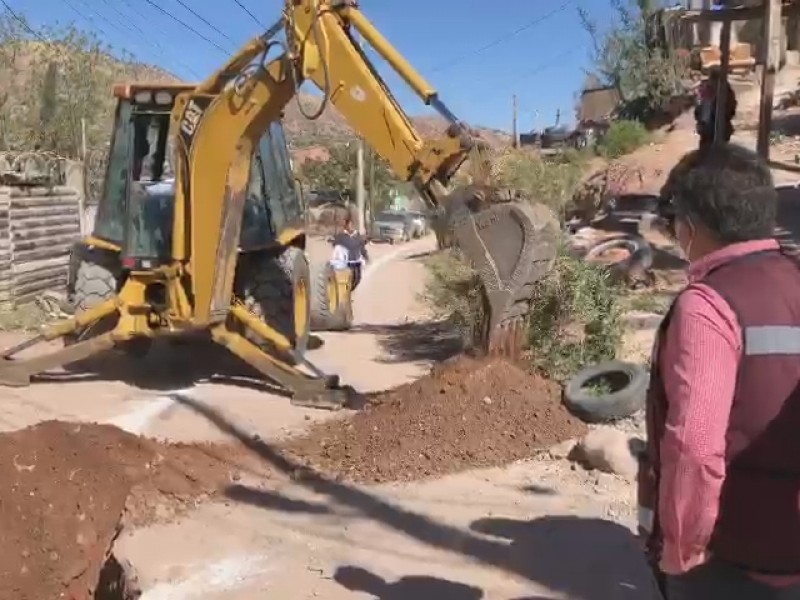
(596, 107)
(686, 27)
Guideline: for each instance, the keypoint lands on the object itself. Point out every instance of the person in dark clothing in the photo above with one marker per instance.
(356, 247)
(705, 111)
(719, 483)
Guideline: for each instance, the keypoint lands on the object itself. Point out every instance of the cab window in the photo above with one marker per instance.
(110, 221)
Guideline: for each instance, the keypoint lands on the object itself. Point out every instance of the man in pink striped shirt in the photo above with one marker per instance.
(719, 488)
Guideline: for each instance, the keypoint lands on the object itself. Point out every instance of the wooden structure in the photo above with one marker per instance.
(771, 11)
(38, 225)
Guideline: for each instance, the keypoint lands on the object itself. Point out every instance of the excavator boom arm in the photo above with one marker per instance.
(321, 38)
(218, 125)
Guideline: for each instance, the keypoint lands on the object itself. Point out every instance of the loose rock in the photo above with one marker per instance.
(606, 449)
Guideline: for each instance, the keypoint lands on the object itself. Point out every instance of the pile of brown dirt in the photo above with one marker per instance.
(66, 487)
(467, 413)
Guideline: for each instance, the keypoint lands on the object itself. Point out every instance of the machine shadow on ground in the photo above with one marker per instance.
(415, 341)
(357, 579)
(551, 551)
(168, 367)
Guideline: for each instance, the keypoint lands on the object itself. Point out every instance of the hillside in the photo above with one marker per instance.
(305, 137)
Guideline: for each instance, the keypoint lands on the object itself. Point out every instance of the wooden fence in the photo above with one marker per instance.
(38, 225)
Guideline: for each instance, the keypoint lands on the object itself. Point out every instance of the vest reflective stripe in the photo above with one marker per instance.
(771, 339)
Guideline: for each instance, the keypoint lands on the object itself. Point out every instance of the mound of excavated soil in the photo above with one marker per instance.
(65, 488)
(467, 413)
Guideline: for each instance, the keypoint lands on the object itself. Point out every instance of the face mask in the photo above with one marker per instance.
(686, 247)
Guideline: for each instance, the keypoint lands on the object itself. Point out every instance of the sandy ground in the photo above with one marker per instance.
(541, 528)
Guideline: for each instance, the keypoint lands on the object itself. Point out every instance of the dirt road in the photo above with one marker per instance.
(541, 528)
(136, 395)
(530, 531)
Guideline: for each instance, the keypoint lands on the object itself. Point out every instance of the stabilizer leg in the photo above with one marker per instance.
(311, 391)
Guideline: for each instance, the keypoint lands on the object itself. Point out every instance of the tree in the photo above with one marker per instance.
(338, 174)
(626, 57)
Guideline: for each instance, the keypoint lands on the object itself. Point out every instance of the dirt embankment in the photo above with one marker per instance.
(467, 414)
(66, 488)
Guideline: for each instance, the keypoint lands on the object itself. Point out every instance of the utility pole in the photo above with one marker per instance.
(722, 85)
(770, 59)
(371, 199)
(83, 197)
(360, 196)
(514, 131)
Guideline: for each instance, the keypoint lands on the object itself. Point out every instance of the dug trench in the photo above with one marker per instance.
(69, 489)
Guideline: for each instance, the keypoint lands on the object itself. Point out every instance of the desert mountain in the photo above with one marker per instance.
(330, 128)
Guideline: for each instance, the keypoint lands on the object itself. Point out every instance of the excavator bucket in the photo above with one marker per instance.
(512, 244)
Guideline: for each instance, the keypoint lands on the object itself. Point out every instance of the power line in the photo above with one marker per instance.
(252, 16)
(103, 31)
(204, 20)
(550, 63)
(504, 38)
(186, 26)
(23, 22)
(103, 17)
(131, 25)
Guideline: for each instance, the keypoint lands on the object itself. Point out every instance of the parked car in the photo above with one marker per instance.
(392, 227)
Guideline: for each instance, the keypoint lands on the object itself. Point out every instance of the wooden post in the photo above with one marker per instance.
(771, 49)
(514, 130)
(83, 193)
(722, 85)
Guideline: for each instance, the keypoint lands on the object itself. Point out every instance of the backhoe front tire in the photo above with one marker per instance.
(94, 284)
(277, 289)
(331, 309)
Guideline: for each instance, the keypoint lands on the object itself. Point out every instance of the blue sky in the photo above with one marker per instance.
(443, 39)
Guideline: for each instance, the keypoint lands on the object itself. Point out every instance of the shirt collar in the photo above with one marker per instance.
(700, 268)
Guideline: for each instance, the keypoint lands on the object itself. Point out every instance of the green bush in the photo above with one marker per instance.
(551, 182)
(452, 291)
(622, 137)
(575, 317)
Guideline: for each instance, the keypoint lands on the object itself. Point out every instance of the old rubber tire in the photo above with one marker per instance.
(276, 288)
(329, 310)
(95, 283)
(639, 251)
(628, 387)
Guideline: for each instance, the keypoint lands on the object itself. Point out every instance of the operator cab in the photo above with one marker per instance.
(136, 210)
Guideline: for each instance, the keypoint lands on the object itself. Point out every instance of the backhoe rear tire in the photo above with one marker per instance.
(330, 311)
(95, 283)
(277, 289)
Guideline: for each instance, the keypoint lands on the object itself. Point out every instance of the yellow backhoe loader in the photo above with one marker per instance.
(219, 250)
